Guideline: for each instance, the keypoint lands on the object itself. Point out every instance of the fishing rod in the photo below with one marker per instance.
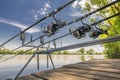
(36, 47)
(78, 19)
(73, 46)
(93, 24)
(78, 45)
(47, 16)
(68, 33)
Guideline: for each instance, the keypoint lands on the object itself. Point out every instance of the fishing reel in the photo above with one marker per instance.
(80, 32)
(96, 33)
(53, 27)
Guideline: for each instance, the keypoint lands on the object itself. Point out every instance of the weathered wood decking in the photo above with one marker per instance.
(90, 70)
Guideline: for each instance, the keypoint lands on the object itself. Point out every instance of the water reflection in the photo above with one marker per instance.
(10, 68)
(82, 58)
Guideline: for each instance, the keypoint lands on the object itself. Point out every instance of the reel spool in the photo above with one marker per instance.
(96, 33)
(53, 27)
(79, 32)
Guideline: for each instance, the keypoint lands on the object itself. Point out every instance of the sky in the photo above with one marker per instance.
(16, 15)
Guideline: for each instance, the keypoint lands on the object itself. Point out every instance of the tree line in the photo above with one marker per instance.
(81, 51)
(7, 51)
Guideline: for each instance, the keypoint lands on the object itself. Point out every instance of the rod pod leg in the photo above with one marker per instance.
(51, 61)
(38, 65)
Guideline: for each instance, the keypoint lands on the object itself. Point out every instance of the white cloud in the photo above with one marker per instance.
(45, 9)
(79, 3)
(19, 25)
(76, 8)
(75, 4)
(42, 11)
(74, 14)
(47, 4)
(36, 17)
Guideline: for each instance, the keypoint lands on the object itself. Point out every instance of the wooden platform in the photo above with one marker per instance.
(90, 70)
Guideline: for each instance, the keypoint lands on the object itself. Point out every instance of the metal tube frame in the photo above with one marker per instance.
(84, 44)
(93, 24)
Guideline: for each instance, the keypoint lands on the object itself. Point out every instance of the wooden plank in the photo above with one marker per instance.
(93, 77)
(105, 61)
(105, 69)
(88, 70)
(54, 75)
(104, 74)
(114, 66)
(101, 61)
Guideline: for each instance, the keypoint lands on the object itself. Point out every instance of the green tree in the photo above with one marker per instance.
(112, 50)
(65, 52)
(81, 51)
(90, 52)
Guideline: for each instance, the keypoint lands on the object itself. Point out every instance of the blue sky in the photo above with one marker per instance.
(16, 15)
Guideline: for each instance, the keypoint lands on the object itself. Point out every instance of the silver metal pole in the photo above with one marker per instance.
(25, 66)
(38, 62)
(51, 61)
(84, 44)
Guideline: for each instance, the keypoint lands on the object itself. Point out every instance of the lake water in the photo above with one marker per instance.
(10, 68)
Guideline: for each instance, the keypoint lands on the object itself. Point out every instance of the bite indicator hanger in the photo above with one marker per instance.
(31, 40)
(42, 41)
(54, 43)
(22, 37)
(48, 46)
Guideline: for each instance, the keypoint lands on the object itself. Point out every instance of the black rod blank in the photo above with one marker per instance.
(76, 20)
(93, 24)
(60, 36)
